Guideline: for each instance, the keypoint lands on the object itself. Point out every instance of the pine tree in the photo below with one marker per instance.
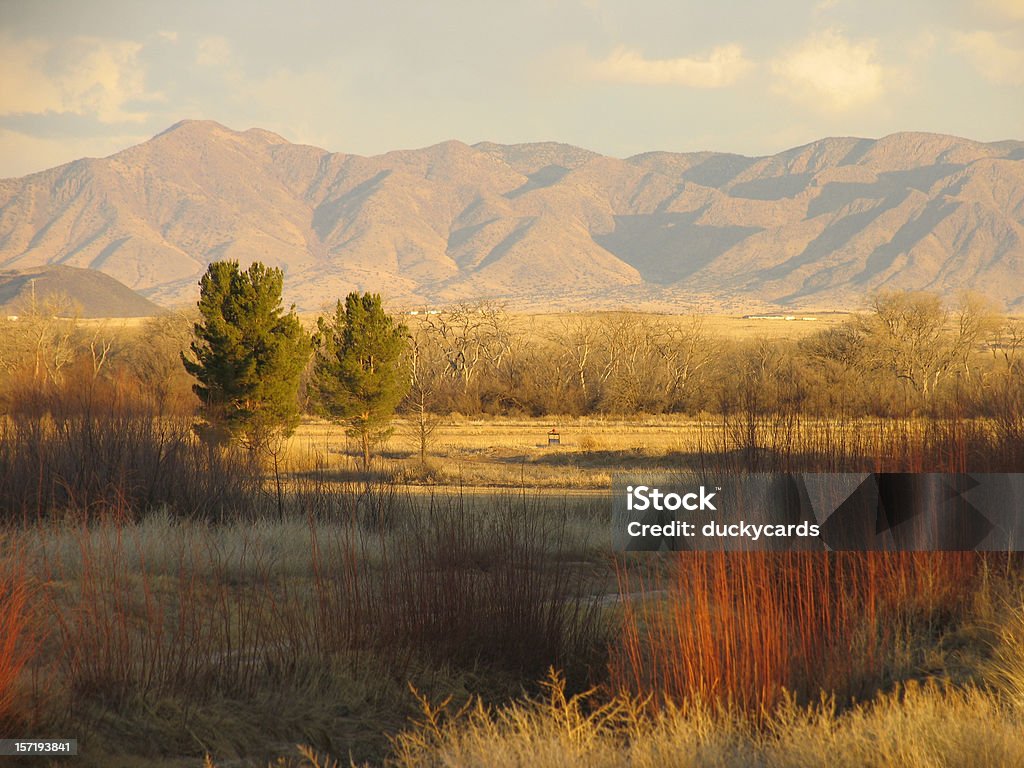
(248, 355)
(360, 373)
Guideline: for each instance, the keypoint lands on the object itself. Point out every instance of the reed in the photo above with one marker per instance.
(19, 636)
(739, 630)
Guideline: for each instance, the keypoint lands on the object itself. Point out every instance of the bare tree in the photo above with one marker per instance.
(650, 364)
(154, 356)
(1005, 389)
(906, 335)
(577, 344)
(976, 320)
(426, 367)
(465, 334)
(922, 343)
(686, 351)
(627, 355)
(40, 339)
(1006, 343)
(99, 343)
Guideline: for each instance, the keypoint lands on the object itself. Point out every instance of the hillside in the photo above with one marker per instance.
(537, 225)
(85, 292)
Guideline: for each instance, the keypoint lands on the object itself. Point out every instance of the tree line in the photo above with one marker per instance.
(255, 369)
(909, 354)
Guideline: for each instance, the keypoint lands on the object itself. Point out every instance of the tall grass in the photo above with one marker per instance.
(916, 725)
(793, 442)
(179, 607)
(739, 630)
(91, 447)
(142, 615)
(18, 634)
(492, 588)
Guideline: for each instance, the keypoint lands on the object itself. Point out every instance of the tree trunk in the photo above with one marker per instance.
(277, 483)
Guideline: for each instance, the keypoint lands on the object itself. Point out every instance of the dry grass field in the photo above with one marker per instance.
(503, 452)
(510, 452)
(173, 605)
(740, 327)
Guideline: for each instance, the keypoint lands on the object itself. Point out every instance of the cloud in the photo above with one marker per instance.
(991, 56)
(721, 68)
(830, 73)
(82, 75)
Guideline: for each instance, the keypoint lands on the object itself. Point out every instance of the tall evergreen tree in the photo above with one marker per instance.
(248, 355)
(360, 373)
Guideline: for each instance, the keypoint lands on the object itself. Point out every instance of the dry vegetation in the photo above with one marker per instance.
(160, 603)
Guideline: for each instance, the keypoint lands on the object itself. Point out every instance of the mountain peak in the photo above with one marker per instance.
(536, 224)
(194, 126)
(207, 130)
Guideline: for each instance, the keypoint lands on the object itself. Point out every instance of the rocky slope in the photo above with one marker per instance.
(536, 225)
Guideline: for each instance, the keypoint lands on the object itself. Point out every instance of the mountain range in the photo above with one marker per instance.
(542, 225)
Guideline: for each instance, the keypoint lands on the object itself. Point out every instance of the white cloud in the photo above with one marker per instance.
(830, 73)
(992, 56)
(722, 67)
(84, 76)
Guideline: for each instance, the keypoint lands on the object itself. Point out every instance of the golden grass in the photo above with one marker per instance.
(1007, 665)
(503, 452)
(160, 544)
(916, 725)
(732, 326)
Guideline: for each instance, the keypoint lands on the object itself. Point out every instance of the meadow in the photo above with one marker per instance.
(460, 604)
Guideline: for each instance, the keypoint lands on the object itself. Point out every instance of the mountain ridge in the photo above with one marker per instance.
(537, 225)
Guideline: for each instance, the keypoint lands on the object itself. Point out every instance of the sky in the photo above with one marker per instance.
(619, 77)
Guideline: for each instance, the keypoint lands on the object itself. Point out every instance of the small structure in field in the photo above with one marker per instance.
(554, 438)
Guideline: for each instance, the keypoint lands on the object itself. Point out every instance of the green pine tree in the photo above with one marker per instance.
(248, 355)
(360, 373)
